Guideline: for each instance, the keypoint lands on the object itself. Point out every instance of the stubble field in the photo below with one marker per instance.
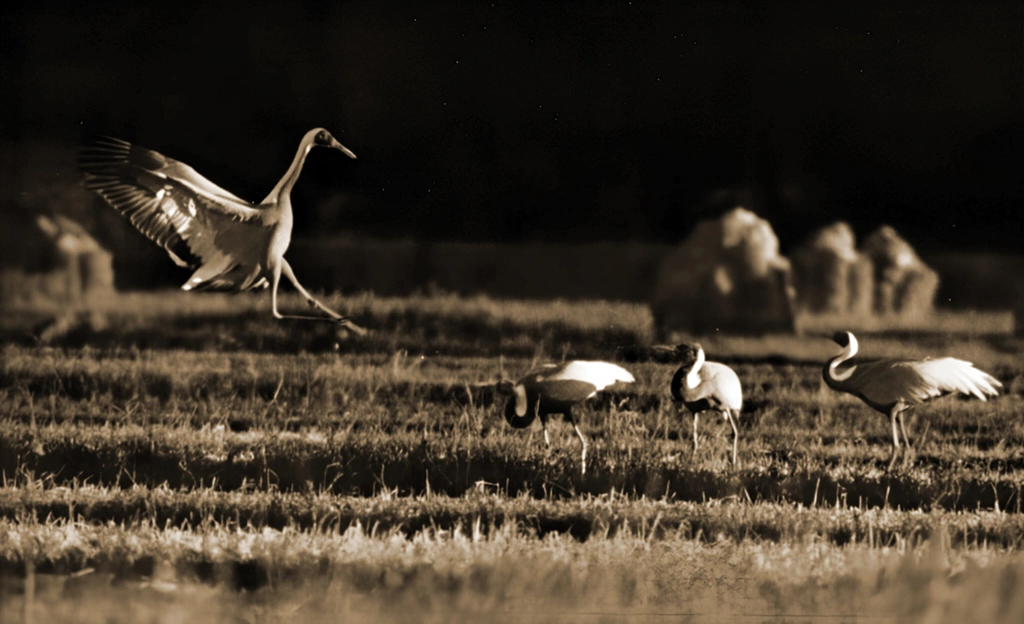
(180, 456)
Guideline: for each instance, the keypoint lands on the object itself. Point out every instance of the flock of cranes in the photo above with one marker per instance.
(231, 244)
(890, 386)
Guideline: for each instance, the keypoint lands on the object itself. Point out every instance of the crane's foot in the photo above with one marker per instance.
(349, 325)
(909, 458)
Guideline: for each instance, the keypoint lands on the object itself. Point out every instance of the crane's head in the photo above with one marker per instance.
(847, 341)
(323, 138)
(843, 338)
(687, 353)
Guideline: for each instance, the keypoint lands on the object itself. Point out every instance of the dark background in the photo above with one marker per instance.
(547, 121)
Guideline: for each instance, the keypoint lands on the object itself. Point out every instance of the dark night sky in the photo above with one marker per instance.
(552, 120)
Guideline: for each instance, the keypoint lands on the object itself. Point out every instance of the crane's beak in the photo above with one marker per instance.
(341, 148)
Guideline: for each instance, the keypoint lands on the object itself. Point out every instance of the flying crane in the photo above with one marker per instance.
(231, 244)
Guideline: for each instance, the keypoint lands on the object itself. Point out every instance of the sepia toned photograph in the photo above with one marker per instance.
(399, 311)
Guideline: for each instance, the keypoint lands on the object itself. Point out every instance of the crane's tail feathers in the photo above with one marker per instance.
(966, 379)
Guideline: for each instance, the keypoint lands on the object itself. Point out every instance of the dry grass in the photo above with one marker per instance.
(166, 574)
(188, 447)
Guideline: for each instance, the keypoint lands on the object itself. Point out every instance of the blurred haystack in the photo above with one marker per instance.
(831, 275)
(726, 276)
(67, 266)
(904, 285)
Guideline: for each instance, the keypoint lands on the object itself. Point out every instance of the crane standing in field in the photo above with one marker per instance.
(230, 243)
(555, 389)
(894, 387)
(707, 386)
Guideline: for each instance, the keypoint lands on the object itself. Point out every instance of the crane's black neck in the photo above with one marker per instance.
(833, 378)
(514, 419)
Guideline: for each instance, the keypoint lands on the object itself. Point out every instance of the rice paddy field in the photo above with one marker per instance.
(173, 457)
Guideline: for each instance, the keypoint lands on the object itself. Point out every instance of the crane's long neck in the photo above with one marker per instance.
(284, 186)
(693, 377)
(850, 350)
(520, 411)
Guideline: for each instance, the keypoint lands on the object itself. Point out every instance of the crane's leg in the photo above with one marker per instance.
(341, 320)
(735, 433)
(696, 417)
(903, 431)
(908, 448)
(895, 439)
(275, 280)
(273, 307)
(583, 441)
(543, 422)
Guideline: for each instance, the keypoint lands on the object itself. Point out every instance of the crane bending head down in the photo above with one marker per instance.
(556, 389)
(707, 386)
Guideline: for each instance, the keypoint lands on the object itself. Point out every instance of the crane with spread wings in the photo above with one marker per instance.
(229, 243)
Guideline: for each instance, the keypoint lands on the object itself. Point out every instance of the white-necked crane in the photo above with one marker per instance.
(893, 386)
(555, 389)
(231, 244)
(707, 386)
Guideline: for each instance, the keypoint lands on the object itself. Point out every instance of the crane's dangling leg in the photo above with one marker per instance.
(276, 279)
(583, 441)
(735, 433)
(283, 265)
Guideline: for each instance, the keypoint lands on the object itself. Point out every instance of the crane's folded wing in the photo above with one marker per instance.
(889, 381)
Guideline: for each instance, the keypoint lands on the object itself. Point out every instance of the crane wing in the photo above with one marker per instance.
(166, 200)
(914, 381)
(599, 374)
(722, 383)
